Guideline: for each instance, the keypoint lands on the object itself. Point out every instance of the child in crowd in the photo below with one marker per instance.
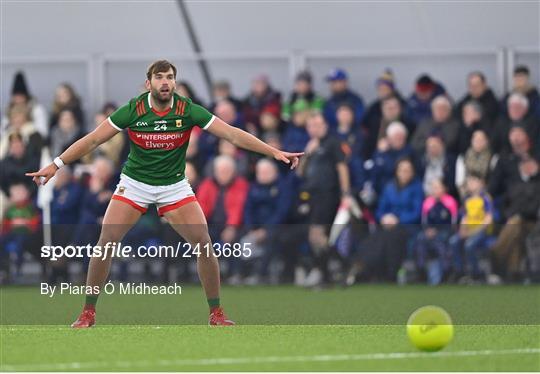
(439, 213)
(469, 243)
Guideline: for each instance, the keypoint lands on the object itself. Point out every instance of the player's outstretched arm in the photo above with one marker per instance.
(85, 145)
(249, 142)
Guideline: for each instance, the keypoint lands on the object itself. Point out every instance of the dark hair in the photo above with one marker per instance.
(160, 66)
(190, 91)
(522, 69)
(405, 159)
(479, 74)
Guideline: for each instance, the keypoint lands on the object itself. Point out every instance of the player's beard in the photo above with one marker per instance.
(161, 97)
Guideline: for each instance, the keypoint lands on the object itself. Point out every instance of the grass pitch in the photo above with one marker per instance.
(280, 329)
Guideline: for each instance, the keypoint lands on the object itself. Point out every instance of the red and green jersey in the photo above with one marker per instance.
(158, 140)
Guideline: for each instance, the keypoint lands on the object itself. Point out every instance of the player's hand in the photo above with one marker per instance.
(289, 158)
(42, 176)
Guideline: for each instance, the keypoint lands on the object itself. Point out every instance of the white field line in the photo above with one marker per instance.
(262, 360)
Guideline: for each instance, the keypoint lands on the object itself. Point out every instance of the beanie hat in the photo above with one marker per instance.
(19, 85)
(386, 78)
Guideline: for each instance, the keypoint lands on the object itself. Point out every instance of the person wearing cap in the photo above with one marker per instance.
(521, 84)
(20, 95)
(419, 103)
(295, 135)
(262, 95)
(340, 93)
(478, 89)
(302, 90)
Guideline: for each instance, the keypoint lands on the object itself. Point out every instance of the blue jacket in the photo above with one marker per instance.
(66, 204)
(295, 138)
(418, 110)
(268, 204)
(405, 203)
(384, 166)
(348, 97)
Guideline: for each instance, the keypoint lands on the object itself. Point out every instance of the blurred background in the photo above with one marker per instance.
(447, 90)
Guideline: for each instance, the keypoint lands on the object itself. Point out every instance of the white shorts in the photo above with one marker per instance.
(139, 195)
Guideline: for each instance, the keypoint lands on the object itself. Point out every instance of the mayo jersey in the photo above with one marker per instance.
(158, 140)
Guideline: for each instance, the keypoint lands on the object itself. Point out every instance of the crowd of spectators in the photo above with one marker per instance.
(417, 188)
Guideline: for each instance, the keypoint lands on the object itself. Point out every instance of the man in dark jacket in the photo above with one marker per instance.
(479, 90)
(341, 94)
(267, 205)
(16, 163)
(521, 84)
(419, 103)
(441, 123)
(517, 109)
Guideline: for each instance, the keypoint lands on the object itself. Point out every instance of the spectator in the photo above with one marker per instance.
(471, 121)
(65, 97)
(303, 90)
(348, 132)
(17, 162)
(385, 88)
(521, 84)
(389, 151)
(478, 159)
(441, 123)
(204, 146)
(67, 132)
(419, 103)
(65, 210)
(20, 225)
(267, 206)
(66, 201)
(518, 106)
(439, 213)
(184, 89)
(520, 206)
(111, 149)
(238, 155)
(226, 110)
(108, 108)
(222, 198)
(221, 90)
(326, 181)
(192, 175)
(507, 170)
(474, 228)
(94, 201)
(262, 97)
(20, 124)
(401, 200)
(341, 94)
(270, 120)
(437, 163)
(479, 91)
(20, 95)
(391, 112)
(295, 137)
